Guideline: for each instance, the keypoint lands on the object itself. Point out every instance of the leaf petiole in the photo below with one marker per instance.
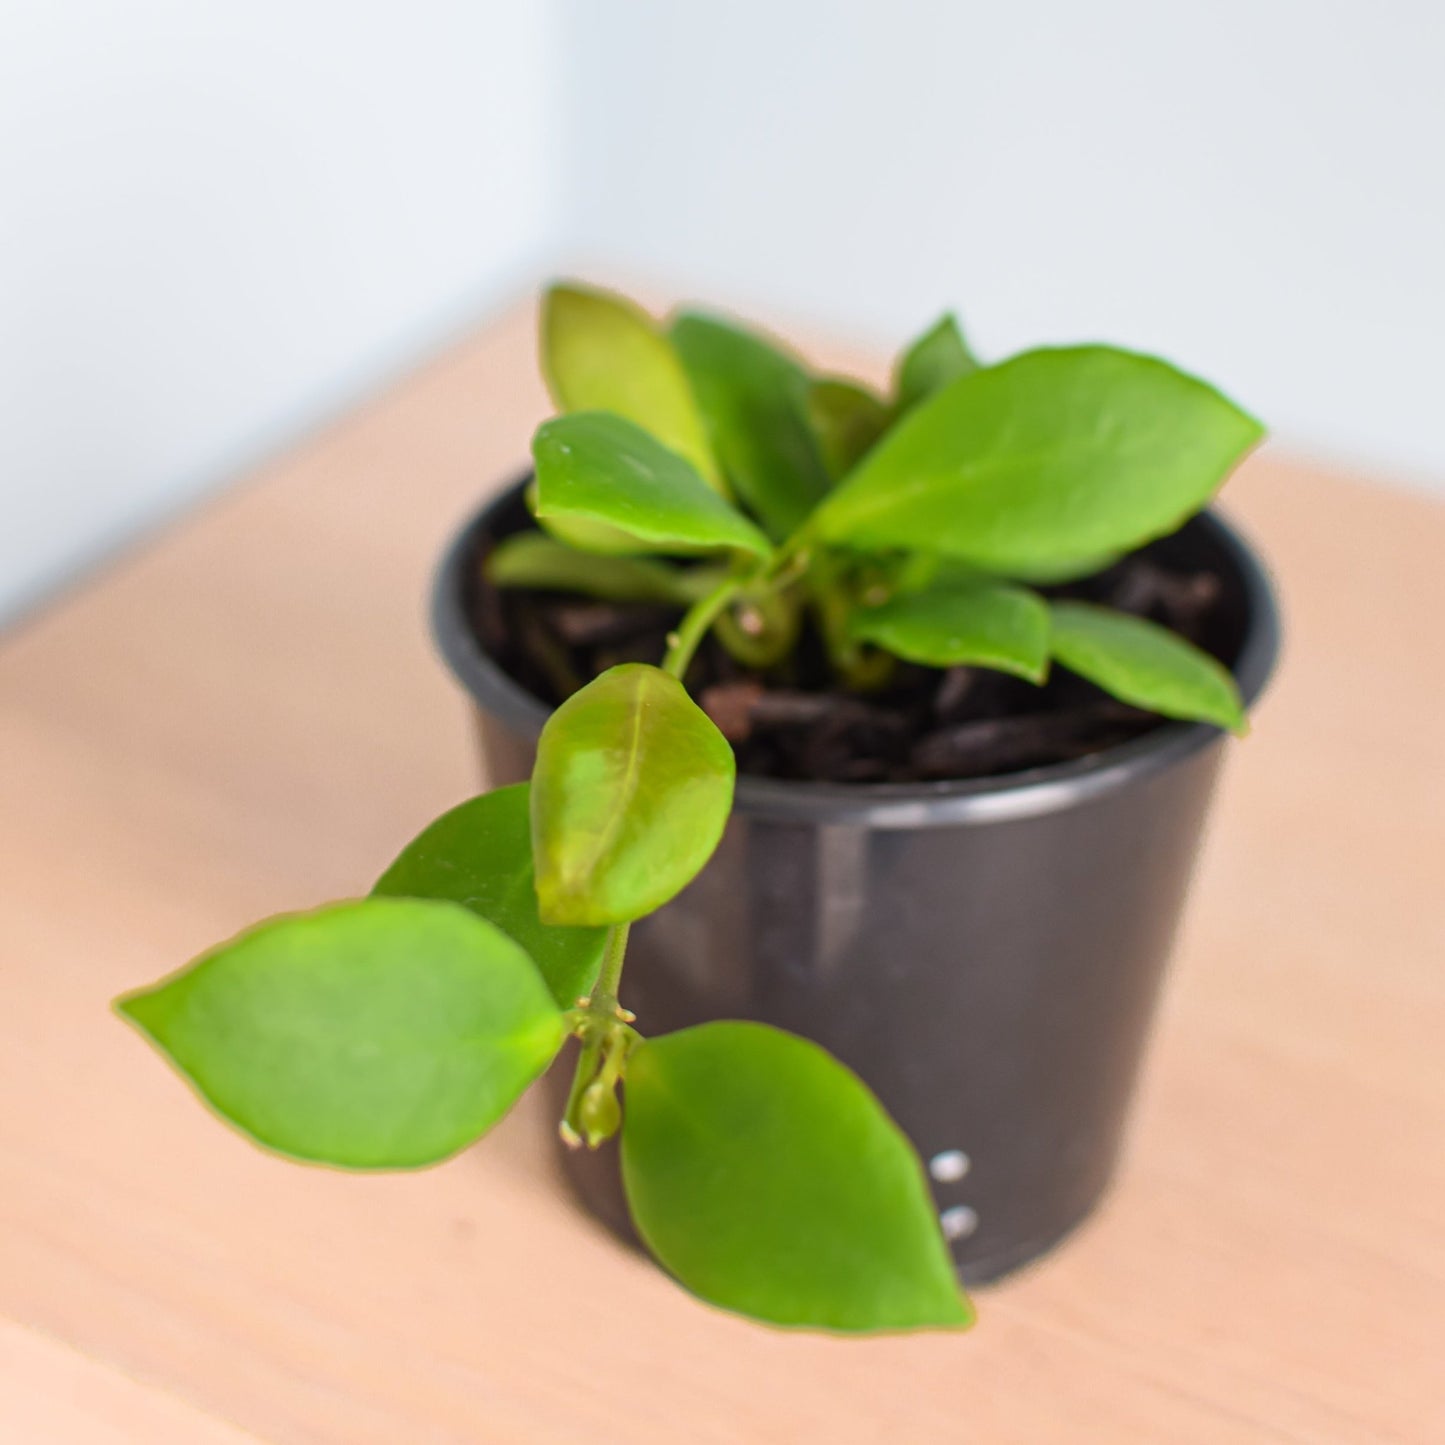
(684, 641)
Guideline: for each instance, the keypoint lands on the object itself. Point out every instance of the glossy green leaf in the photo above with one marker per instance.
(847, 420)
(939, 356)
(754, 399)
(1145, 665)
(382, 1034)
(593, 466)
(1050, 457)
(932, 568)
(593, 539)
(981, 624)
(480, 855)
(1056, 573)
(539, 563)
(600, 352)
(767, 1178)
(630, 795)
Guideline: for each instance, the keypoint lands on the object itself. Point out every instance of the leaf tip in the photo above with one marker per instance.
(135, 1007)
(146, 1011)
(1253, 425)
(963, 1316)
(1232, 716)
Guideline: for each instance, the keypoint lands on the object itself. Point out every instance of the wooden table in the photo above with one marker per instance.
(245, 716)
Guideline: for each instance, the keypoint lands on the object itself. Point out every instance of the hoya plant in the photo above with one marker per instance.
(699, 466)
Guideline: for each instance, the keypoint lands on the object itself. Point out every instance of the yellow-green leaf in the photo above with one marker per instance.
(381, 1034)
(630, 795)
(601, 352)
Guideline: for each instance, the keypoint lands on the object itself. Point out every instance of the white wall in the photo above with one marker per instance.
(1255, 188)
(220, 220)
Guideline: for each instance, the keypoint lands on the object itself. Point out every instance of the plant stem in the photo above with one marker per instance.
(587, 1061)
(793, 559)
(603, 1027)
(604, 995)
(693, 628)
(601, 1023)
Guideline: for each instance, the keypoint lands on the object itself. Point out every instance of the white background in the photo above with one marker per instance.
(220, 221)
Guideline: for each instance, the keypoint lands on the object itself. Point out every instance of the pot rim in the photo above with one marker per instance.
(1008, 796)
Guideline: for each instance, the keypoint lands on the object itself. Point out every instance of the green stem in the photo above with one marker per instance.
(601, 1023)
(604, 995)
(693, 628)
(587, 1061)
(792, 560)
(603, 1026)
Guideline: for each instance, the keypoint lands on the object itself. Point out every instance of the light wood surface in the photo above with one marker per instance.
(51, 1392)
(246, 716)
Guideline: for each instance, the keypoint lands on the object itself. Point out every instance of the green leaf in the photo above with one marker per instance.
(594, 539)
(923, 569)
(1145, 665)
(847, 419)
(1050, 457)
(1057, 573)
(982, 624)
(540, 563)
(382, 1034)
(755, 401)
(600, 352)
(939, 356)
(595, 467)
(630, 795)
(480, 855)
(767, 1178)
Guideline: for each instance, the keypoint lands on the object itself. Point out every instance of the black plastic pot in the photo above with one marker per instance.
(986, 954)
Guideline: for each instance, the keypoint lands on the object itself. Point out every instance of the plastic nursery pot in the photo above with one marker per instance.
(986, 954)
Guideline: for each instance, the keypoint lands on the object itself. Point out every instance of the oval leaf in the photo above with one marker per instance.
(847, 419)
(543, 564)
(767, 1178)
(1049, 457)
(930, 568)
(1145, 665)
(600, 352)
(593, 466)
(754, 399)
(1059, 572)
(630, 795)
(594, 539)
(981, 624)
(480, 855)
(382, 1034)
(939, 356)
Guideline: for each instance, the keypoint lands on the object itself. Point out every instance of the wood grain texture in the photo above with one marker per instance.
(51, 1392)
(246, 716)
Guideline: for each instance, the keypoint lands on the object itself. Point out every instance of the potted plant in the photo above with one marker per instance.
(838, 719)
